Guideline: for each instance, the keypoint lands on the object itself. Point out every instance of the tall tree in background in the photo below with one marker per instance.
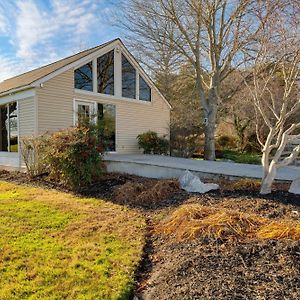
(208, 34)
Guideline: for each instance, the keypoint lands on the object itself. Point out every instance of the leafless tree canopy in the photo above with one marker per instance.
(210, 35)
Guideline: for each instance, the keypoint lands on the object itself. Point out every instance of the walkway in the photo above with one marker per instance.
(155, 166)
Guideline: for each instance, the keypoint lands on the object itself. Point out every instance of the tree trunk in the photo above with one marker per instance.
(209, 131)
(268, 178)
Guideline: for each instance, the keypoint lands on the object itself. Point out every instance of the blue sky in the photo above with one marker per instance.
(37, 32)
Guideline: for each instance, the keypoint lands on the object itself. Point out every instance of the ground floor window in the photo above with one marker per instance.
(9, 127)
(104, 115)
(107, 125)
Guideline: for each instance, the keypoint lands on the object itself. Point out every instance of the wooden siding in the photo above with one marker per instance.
(26, 117)
(55, 103)
(55, 111)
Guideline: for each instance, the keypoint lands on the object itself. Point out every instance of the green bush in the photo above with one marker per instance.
(151, 143)
(73, 156)
(242, 157)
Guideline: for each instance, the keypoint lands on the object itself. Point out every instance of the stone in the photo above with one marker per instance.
(192, 183)
(295, 187)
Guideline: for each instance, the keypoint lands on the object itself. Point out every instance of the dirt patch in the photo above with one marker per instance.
(204, 269)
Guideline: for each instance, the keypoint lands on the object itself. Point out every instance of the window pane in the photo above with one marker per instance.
(128, 79)
(3, 128)
(105, 73)
(13, 127)
(145, 91)
(83, 77)
(83, 114)
(107, 125)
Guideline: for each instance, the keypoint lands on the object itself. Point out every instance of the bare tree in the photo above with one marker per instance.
(275, 90)
(209, 34)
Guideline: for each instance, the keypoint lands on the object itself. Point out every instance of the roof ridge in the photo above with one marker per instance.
(43, 66)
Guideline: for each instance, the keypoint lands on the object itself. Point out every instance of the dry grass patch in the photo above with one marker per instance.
(145, 193)
(54, 245)
(194, 221)
(246, 183)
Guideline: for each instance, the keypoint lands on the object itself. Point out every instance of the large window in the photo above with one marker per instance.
(105, 73)
(145, 91)
(128, 79)
(107, 125)
(83, 77)
(9, 127)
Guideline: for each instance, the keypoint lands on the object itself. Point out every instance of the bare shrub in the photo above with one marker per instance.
(33, 152)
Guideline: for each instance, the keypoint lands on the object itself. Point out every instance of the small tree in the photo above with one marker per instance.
(275, 91)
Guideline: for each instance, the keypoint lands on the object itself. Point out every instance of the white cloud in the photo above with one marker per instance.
(2, 24)
(41, 34)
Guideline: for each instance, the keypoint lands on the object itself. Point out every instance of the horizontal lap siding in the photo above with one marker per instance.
(55, 103)
(135, 118)
(26, 117)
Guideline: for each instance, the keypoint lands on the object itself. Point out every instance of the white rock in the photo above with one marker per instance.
(295, 187)
(191, 183)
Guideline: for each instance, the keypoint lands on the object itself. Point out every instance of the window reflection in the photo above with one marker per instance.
(9, 127)
(145, 91)
(83, 77)
(105, 73)
(107, 125)
(128, 79)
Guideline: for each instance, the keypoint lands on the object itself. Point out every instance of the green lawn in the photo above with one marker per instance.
(57, 246)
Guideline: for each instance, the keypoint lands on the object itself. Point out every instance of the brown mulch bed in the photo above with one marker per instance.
(203, 268)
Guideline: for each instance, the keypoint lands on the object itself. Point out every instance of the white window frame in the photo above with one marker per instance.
(8, 131)
(117, 78)
(91, 104)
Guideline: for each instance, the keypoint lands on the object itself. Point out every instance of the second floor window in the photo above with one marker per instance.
(128, 79)
(105, 73)
(83, 77)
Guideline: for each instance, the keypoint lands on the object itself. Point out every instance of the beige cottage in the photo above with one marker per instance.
(105, 81)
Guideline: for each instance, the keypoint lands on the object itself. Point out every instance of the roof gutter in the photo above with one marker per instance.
(20, 89)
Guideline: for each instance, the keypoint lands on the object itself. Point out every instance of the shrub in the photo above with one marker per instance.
(226, 142)
(73, 156)
(242, 157)
(151, 143)
(33, 154)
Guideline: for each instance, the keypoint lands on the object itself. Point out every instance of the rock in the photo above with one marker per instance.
(295, 187)
(191, 183)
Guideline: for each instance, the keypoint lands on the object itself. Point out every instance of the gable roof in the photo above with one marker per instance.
(28, 78)
(35, 77)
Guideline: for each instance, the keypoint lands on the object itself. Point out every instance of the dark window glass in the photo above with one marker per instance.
(4, 128)
(83, 114)
(105, 73)
(128, 79)
(145, 91)
(83, 77)
(9, 127)
(13, 127)
(107, 125)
